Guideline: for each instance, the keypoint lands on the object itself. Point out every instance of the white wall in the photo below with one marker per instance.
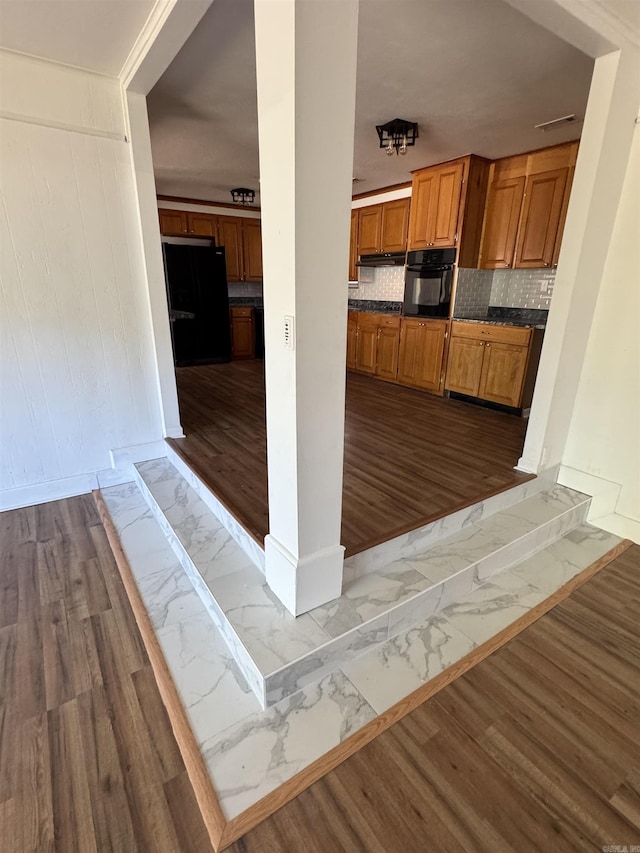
(603, 447)
(77, 368)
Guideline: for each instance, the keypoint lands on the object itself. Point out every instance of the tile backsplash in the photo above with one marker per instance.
(245, 288)
(522, 288)
(478, 289)
(379, 283)
(473, 292)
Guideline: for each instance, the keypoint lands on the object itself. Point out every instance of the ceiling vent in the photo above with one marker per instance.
(556, 122)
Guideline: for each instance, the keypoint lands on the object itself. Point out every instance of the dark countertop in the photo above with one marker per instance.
(246, 301)
(530, 318)
(375, 306)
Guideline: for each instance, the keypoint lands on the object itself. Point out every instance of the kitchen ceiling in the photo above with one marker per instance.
(477, 75)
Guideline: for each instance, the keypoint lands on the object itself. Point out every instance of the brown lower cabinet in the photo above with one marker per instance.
(352, 339)
(422, 344)
(397, 349)
(243, 339)
(492, 362)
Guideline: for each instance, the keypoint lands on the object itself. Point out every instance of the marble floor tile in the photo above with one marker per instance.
(272, 636)
(169, 595)
(211, 686)
(369, 596)
(260, 753)
(492, 607)
(156, 470)
(388, 674)
(325, 659)
(551, 568)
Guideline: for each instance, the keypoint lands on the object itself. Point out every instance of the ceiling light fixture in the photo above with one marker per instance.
(556, 122)
(242, 195)
(397, 135)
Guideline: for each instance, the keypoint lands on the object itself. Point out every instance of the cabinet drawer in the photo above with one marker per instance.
(390, 321)
(241, 312)
(488, 332)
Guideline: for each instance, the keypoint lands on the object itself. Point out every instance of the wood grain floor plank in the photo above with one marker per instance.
(112, 818)
(35, 804)
(454, 455)
(72, 813)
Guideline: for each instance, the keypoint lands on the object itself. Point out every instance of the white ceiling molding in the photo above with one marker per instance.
(167, 28)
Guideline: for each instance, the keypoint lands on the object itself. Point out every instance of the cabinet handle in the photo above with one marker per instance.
(507, 265)
(546, 263)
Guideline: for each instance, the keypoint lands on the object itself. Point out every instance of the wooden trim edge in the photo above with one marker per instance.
(204, 791)
(255, 814)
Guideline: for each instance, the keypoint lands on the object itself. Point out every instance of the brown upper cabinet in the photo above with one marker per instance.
(179, 223)
(353, 247)
(446, 207)
(252, 241)
(240, 236)
(173, 222)
(381, 227)
(526, 208)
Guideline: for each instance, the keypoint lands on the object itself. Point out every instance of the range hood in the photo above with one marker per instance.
(386, 259)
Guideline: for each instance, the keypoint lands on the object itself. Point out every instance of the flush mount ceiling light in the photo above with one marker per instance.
(397, 135)
(556, 122)
(242, 195)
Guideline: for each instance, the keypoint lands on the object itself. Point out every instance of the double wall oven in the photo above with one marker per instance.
(428, 283)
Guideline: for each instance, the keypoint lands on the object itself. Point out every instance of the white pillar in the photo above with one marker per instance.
(306, 73)
(600, 170)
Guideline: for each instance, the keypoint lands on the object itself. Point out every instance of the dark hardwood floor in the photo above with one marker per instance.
(536, 748)
(409, 457)
(88, 760)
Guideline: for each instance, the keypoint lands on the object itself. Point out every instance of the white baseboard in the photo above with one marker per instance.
(604, 493)
(122, 461)
(620, 525)
(52, 490)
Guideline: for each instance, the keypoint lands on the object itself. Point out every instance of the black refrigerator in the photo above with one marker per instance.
(196, 280)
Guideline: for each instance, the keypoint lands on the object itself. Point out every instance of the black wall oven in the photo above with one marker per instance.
(428, 282)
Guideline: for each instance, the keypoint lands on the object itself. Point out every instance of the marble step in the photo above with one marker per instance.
(278, 654)
(249, 751)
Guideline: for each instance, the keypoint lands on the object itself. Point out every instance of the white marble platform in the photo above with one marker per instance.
(250, 752)
(277, 654)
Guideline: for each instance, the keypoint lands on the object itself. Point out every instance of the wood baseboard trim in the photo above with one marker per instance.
(243, 823)
(214, 819)
(222, 833)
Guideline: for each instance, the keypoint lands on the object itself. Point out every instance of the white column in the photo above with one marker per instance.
(306, 73)
(138, 126)
(600, 169)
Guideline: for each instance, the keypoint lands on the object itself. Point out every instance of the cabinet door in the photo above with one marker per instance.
(173, 222)
(242, 337)
(503, 371)
(409, 346)
(252, 239)
(540, 218)
(395, 222)
(501, 227)
(353, 247)
(464, 366)
(352, 345)
(430, 354)
(367, 342)
(563, 218)
(387, 353)
(230, 236)
(424, 200)
(203, 224)
(369, 229)
(449, 189)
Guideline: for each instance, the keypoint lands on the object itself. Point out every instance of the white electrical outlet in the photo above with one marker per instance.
(289, 332)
